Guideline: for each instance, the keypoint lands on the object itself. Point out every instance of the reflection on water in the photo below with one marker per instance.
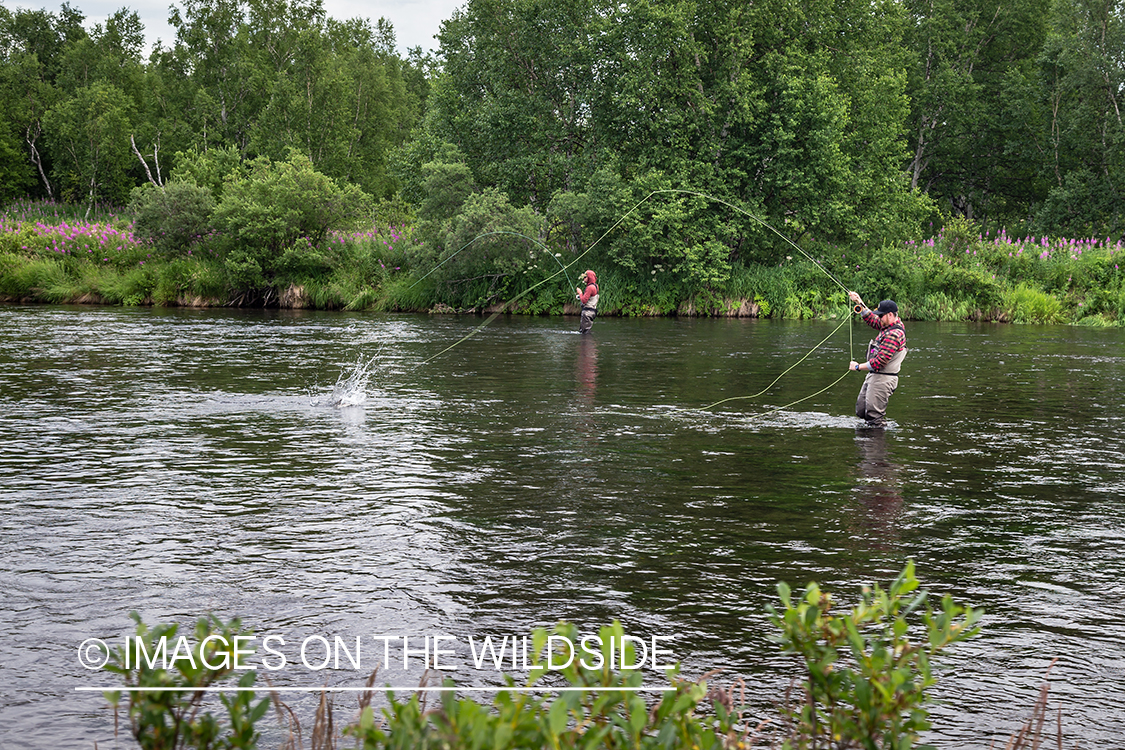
(586, 376)
(177, 462)
(878, 490)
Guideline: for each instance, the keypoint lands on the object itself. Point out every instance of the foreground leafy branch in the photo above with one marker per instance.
(866, 673)
(866, 677)
(170, 719)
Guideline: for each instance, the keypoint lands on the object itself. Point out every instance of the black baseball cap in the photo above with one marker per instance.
(886, 306)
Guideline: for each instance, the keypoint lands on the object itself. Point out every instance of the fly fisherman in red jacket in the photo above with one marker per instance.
(884, 360)
(588, 299)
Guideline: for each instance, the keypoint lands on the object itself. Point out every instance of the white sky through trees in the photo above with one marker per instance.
(415, 22)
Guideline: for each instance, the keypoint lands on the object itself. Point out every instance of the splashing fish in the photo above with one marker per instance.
(351, 387)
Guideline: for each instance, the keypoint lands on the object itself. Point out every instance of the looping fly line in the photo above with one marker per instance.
(779, 377)
(563, 270)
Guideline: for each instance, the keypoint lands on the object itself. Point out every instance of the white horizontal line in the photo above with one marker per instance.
(411, 689)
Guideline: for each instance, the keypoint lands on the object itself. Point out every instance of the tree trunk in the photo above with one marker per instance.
(36, 159)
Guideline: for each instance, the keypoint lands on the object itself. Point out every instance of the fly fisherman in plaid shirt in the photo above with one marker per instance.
(884, 359)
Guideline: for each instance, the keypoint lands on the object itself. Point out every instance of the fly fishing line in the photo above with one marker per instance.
(580, 256)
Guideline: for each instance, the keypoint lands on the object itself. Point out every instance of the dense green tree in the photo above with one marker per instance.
(110, 55)
(974, 126)
(44, 34)
(843, 120)
(306, 107)
(1083, 70)
(448, 184)
(212, 47)
(93, 164)
(33, 44)
(419, 69)
(517, 91)
(792, 110)
(341, 99)
(261, 76)
(161, 128)
(271, 75)
(17, 172)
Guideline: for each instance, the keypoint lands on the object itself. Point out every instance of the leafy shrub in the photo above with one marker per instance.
(592, 719)
(302, 259)
(279, 206)
(477, 252)
(171, 719)
(244, 271)
(866, 678)
(174, 218)
(448, 184)
(887, 272)
(1085, 204)
(642, 225)
(210, 169)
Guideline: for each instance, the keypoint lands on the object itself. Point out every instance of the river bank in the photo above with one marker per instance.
(50, 255)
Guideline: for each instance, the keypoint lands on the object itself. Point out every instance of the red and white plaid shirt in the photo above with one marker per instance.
(890, 341)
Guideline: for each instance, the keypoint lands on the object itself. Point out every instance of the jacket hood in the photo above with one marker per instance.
(591, 277)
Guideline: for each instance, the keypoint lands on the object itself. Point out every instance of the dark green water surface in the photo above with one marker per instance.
(178, 462)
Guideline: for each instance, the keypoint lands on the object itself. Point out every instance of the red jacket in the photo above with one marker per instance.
(591, 291)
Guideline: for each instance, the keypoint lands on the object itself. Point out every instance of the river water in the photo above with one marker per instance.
(346, 475)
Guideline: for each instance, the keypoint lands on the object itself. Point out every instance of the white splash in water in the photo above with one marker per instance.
(351, 388)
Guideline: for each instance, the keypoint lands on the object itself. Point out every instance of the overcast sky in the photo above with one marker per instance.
(415, 22)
